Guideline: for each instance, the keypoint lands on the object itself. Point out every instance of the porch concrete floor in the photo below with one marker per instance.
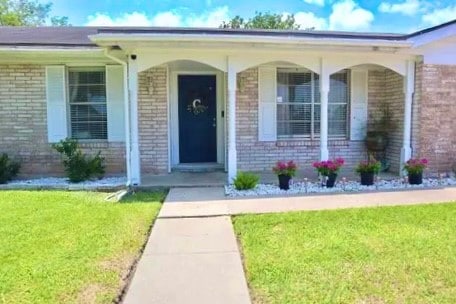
(220, 178)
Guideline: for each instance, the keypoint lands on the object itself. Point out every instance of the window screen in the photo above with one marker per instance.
(298, 104)
(87, 98)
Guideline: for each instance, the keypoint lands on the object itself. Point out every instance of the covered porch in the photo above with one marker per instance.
(247, 117)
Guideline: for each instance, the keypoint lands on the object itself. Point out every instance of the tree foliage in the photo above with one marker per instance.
(28, 13)
(265, 20)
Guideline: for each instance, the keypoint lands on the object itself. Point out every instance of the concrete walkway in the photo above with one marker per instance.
(212, 201)
(190, 260)
(192, 254)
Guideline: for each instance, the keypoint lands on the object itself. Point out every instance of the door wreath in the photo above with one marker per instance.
(196, 107)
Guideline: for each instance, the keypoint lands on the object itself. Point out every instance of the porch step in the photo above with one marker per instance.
(198, 167)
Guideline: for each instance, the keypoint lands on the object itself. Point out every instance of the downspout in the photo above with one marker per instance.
(127, 113)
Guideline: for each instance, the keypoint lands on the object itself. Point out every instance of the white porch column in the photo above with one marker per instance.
(409, 89)
(324, 91)
(232, 152)
(135, 169)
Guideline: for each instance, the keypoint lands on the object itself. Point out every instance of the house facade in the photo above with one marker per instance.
(156, 99)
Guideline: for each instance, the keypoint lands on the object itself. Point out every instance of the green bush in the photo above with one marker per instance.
(245, 181)
(8, 168)
(78, 166)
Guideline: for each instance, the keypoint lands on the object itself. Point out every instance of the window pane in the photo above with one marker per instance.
(294, 86)
(87, 93)
(89, 121)
(285, 129)
(86, 77)
(317, 113)
(338, 88)
(87, 97)
(337, 115)
(294, 111)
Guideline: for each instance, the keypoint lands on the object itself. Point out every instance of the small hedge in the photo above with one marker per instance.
(78, 166)
(245, 181)
(8, 168)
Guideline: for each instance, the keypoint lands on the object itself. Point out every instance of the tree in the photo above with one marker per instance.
(28, 13)
(266, 20)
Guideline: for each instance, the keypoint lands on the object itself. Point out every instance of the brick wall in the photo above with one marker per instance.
(254, 155)
(153, 120)
(437, 129)
(394, 97)
(23, 128)
(386, 88)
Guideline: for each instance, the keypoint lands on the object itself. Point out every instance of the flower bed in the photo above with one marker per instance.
(299, 187)
(64, 184)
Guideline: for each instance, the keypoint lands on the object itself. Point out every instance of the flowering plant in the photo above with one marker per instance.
(329, 167)
(368, 167)
(415, 165)
(285, 168)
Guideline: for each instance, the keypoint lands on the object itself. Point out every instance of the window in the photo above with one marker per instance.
(298, 104)
(87, 98)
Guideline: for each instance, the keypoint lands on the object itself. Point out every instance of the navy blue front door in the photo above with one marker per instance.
(197, 118)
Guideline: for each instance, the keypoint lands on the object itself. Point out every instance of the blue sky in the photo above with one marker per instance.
(354, 15)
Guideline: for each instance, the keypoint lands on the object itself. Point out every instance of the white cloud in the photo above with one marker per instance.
(309, 20)
(166, 19)
(315, 2)
(135, 18)
(408, 7)
(439, 16)
(211, 18)
(348, 15)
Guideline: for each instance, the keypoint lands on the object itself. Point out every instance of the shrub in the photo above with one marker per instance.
(369, 167)
(415, 165)
(8, 168)
(78, 166)
(245, 181)
(285, 168)
(329, 167)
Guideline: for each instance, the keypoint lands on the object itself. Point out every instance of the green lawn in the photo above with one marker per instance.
(378, 255)
(69, 247)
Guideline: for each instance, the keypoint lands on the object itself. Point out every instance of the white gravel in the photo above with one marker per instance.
(300, 187)
(63, 183)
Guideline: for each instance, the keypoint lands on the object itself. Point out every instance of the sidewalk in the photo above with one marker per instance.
(195, 202)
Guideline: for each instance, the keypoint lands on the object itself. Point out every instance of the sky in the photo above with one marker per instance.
(396, 16)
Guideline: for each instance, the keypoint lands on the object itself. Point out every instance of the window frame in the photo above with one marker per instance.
(313, 135)
(97, 68)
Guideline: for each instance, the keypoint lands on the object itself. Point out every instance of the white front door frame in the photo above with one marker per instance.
(174, 114)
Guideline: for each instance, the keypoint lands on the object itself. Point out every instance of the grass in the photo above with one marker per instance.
(69, 247)
(403, 254)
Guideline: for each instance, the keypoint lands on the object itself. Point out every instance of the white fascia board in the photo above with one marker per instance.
(102, 39)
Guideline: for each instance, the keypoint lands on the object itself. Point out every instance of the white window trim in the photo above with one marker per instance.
(85, 68)
(312, 135)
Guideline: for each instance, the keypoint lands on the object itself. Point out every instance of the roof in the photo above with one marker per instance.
(76, 36)
(47, 36)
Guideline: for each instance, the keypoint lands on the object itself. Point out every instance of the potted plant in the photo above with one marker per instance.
(368, 170)
(415, 168)
(285, 171)
(329, 169)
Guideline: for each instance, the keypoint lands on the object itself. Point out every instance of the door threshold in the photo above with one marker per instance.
(198, 167)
